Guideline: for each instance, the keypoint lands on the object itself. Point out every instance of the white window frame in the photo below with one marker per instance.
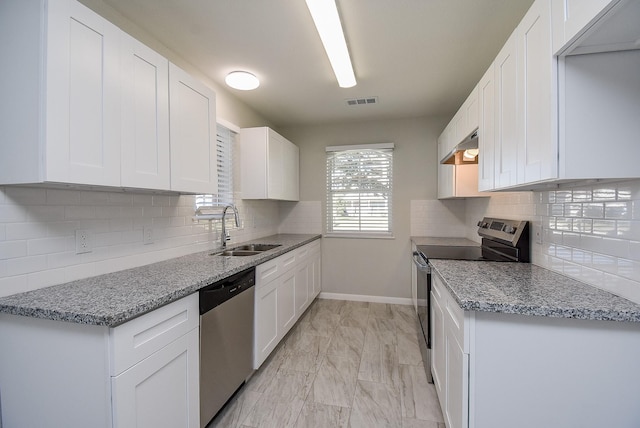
(361, 231)
(208, 206)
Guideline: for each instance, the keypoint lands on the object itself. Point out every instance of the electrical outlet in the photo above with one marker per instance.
(537, 231)
(147, 235)
(84, 241)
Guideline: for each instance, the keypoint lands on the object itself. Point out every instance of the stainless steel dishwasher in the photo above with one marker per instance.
(226, 340)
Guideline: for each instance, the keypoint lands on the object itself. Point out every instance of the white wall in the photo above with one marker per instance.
(370, 267)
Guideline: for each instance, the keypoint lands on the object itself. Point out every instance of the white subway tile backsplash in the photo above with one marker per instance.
(37, 230)
(604, 193)
(12, 213)
(13, 249)
(593, 210)
(618, 210)
(47, 245)
(599, 223)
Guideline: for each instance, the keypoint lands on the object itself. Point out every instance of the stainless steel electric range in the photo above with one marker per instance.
(502, 241)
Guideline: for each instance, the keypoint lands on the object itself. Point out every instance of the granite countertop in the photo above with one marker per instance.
(114, 298)
(527, 289)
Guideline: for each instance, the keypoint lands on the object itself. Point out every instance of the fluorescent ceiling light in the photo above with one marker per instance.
(242, 80)
(325, 16)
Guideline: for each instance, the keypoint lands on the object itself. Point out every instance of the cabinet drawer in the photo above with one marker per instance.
(137, 339)
(267, 271)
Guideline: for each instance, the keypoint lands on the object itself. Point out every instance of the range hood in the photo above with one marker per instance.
(465, 153)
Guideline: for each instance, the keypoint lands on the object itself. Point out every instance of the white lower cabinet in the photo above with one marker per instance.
(143, 373)
(496, 370)
(159, 391)
(285, 287)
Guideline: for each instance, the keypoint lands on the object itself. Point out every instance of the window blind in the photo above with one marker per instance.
(225, 141)
(359, 189)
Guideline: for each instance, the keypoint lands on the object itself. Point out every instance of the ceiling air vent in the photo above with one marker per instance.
(362, 101)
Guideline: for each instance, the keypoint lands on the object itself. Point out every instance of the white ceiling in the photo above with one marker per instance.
(419, 57)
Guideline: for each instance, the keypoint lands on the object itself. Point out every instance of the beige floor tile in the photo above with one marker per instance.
(381, 310)
(381, 329)
(308, 362)
(236, 411)
(344, 364)
(355, 317)
(315, 415)
(419, 399)
(379, 364)
(376, 405)
(273, 413)
(417, 423)
(347, 341)
(408, 349)
(335, 382)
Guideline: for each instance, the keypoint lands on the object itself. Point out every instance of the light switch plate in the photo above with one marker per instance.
(537, 232)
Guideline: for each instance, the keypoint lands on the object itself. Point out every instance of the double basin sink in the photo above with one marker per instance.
(246, 250)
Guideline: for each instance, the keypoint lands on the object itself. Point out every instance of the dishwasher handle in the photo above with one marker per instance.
(219, 292)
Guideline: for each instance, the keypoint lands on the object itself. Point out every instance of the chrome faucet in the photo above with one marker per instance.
(224, 236)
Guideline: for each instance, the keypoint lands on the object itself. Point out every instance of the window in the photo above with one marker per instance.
(225, 141)
(359, 190)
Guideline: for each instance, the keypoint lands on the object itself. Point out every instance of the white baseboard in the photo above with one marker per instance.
(364, 298)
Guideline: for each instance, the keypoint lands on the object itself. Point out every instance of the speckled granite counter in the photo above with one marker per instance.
(527, 289)
(114, 298)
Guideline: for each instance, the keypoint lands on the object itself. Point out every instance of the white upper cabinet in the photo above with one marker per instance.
(60, 94)
(145, 117)
(589, 26)
(506, 103)
(486, 130)
(83, 103)
(537, 147)
(557, 119)
(270, 165)
(192, 113)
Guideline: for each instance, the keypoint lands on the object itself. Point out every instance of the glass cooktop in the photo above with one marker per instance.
(473, 253)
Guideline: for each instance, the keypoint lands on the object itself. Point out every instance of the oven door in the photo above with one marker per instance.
(424, 310)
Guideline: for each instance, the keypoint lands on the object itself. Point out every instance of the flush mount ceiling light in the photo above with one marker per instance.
(242, 80)
(325, 16)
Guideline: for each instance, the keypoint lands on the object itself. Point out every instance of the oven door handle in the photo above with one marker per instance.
(420, 262)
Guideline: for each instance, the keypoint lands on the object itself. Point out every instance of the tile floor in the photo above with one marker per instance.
(345, 364)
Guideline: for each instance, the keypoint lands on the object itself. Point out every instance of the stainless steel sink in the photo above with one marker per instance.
(237, 253)
(256, 247)
(246, 250)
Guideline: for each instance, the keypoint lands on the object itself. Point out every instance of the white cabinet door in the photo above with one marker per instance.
(266, 321)
(83, 96)
(291, 173)
(472, 108)
(506, 107)
(446, 181)
(286, 303)
(162, 390)
(438, 349)
(302, 277)
(145, 117)
(571, 17)
(316, 267)
(456, 411)
(270, 165)
(192, 108)
(537, 140)
(486, 131)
